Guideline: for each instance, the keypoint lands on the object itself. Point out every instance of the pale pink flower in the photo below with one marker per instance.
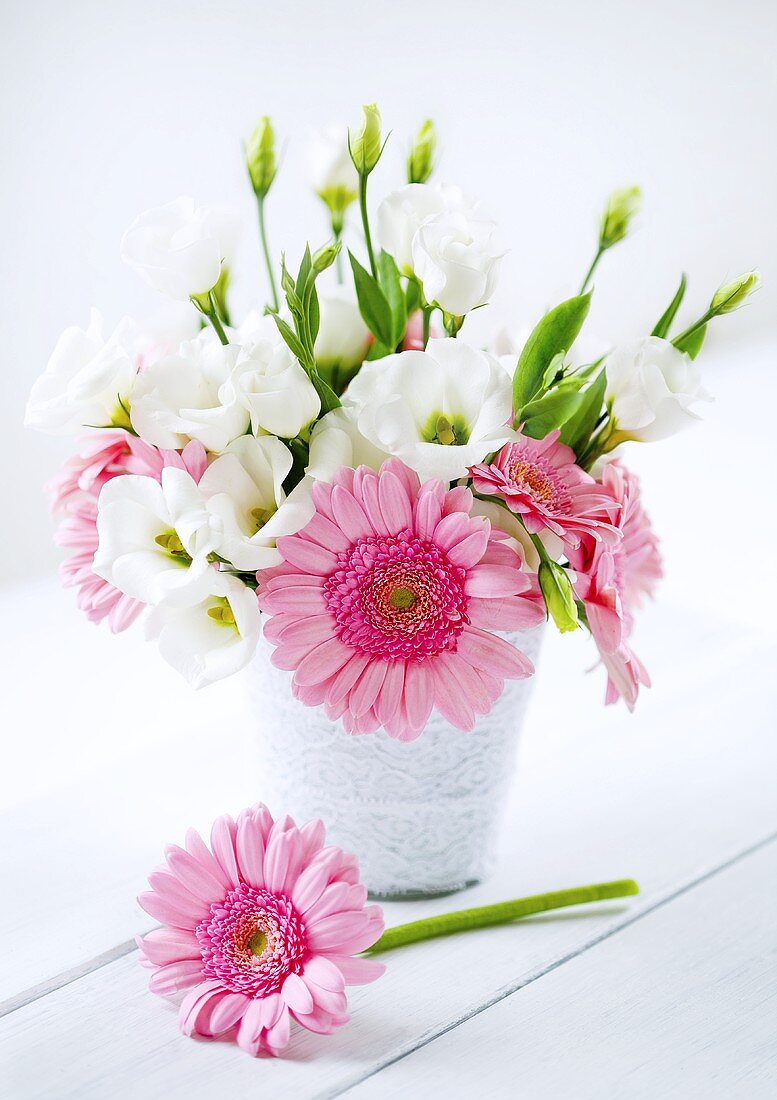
(260, 929)
(385, 604)
(74, 494)
(414, 334)
(540, 481)
(612, 582)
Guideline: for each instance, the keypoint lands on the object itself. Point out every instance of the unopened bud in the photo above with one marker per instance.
(733, 295)
(420, 162)
(260, 157)
(559, 597)
(326, 256)
(365, 146)
(622, 206)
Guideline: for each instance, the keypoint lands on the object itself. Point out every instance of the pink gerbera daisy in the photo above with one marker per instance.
(74, 494)
(540, 481)
(260, 928)
(384, 604)
(613, 581)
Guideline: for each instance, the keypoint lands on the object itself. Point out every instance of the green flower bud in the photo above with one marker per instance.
(420, 162)
(559, 597)
(365, 147)
(260, 157)
(325, 257)
(622, 206)
(733, 295)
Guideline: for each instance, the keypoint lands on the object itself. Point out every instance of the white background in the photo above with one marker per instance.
(109, 108)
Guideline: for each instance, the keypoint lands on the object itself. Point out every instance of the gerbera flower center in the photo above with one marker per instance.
(535, 477)
(397, 596)
(251, 941)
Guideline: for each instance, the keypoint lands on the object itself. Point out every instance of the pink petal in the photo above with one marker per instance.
(331, 933)
(356, 971)
(394, 502)
(228, 1012)
(343, 681)
(325, 973)
(175, 977)
(419, 693)
(494, 654)
(350, 516)
(470, 550)
(196, 1005)
(322, 662)
(222, 839)
(197, 847)
(167, 945)
(494, 581)
(193, 875)
(364, 694)
(296, 994)
(250, 850)
(307, 556)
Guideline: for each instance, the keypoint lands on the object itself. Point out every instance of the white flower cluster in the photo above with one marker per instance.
(338, 377)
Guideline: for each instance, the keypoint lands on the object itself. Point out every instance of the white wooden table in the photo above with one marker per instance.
(107, 756)
(671, 993)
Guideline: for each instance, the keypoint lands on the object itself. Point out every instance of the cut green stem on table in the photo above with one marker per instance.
(503, 912)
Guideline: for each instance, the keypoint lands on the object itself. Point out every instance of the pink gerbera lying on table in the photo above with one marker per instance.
(260, 929)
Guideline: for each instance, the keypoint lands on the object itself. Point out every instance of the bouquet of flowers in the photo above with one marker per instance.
(344, 466)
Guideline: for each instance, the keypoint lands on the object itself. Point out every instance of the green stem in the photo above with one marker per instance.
(484, 916)
(213, 317)
(266, 251)
(600, 252)
(427, 315)
(366, 223)
(705, 317)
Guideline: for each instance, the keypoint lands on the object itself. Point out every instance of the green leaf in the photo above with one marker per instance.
(555, 332)
(379, 351)
(305, 269)
(292, 340)
(412, 296)
(314, 313)
(373, 306)
(691, 345)
(329, 399)
(388, 276)
(665, 321)
(549, 412)
(577, 430)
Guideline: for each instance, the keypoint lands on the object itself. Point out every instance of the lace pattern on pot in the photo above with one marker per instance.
(422, 816)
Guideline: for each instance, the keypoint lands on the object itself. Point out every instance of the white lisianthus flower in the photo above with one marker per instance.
(336, 442)
(155, 539)
(343, 338)
(213, 638)
(331, 173)
(456, 257)
(443, 238)
(186, 396)
(652, 387)
(440, 411)
(243, 490)
(402, 213)
(273, 388)
(86, 382)
(178, 248)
